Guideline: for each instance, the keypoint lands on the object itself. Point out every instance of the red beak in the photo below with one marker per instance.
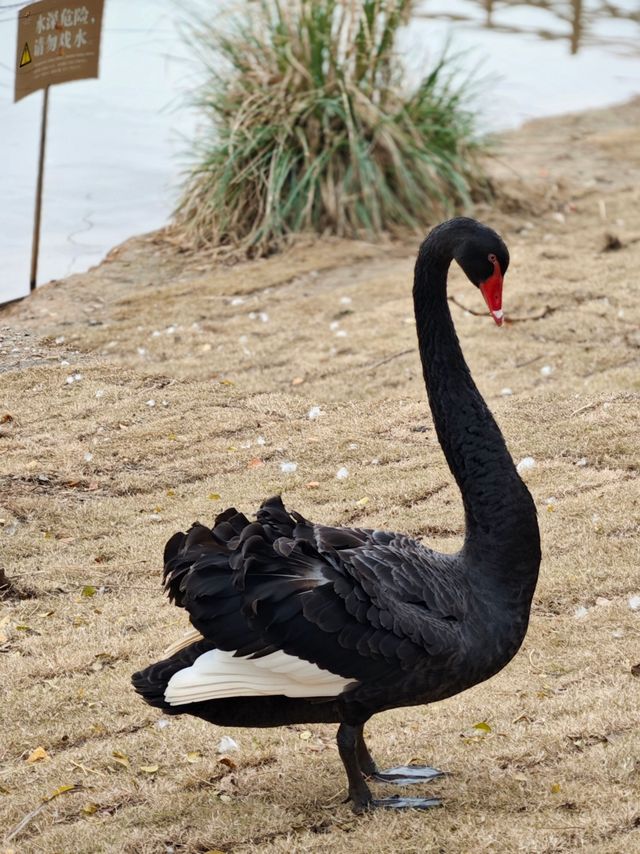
(492, 292)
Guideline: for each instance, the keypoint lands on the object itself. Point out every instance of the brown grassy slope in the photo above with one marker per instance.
(560, 769)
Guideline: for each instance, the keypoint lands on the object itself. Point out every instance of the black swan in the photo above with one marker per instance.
(302, 623)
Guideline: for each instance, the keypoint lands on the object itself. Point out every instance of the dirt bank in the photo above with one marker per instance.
(160, 388)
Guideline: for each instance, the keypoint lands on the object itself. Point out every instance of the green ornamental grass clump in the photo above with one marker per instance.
(314, 129)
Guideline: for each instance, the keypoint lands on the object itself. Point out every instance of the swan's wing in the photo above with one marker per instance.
(349, 601)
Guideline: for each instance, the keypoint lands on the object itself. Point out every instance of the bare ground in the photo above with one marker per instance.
(190, 384)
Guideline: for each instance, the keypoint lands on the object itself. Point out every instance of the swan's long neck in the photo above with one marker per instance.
(501, 526)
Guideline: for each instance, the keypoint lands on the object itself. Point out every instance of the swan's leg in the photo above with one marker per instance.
(367, 763)
(352, 749)
(403, 775)
(359, 793)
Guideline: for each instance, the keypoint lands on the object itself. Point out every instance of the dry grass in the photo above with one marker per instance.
(560, 769)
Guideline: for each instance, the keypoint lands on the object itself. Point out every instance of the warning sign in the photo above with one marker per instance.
(58, 41)
(26, 56)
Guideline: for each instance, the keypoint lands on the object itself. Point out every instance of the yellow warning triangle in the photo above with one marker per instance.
(25, 59)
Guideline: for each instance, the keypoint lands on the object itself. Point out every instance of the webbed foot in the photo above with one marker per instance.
(407, 775)
(399, 803)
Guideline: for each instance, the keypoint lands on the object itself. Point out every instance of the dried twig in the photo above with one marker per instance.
(30, 816)
(547, 310)
(373, 365)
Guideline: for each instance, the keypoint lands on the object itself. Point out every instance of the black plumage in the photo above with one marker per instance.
(397, 623)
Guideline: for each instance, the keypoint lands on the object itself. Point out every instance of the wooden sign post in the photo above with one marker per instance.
(58, 42)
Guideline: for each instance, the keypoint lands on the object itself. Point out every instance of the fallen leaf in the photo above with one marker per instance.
(362, 501)
(37, 755)
(555, 788)
(60, 791)
(305, 735)
(213, 496)
(255, 463)
(121, 758)
(193, 756)
(90, 808)
(313, 484)
(89, 591)
(226, 760)
(6, 418)
(297, 381)
(483, 726)
(635, 670)
(171, 492)
(149, 769)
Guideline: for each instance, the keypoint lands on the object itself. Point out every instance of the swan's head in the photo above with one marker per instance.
(484, 258)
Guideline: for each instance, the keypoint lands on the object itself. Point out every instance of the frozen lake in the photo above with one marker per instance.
(117, 145)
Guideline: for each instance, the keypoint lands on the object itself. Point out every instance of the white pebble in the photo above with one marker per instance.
(505, 392)
(142, 351)
(227, 745)
(342, 473)
(100, 392)
(171, 330)
(64, 363)
(88, 457)
(546, 370)
(156, 333)
(155, 517)
(341, 333)
(334, 325)
(581, 612)
(345, 300)
(634, 603)
(264, 317)
(151, 403)
(261, 440)
(617, 633)
(237, 301)
(288, 468)
(60, 339)
(162, 723)
(551, 500)
(314, 412)
(582, 461)
(526, 464)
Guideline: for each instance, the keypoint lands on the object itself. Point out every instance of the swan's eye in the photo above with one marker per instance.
(493, 258)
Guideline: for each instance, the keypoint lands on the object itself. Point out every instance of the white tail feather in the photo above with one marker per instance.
(217, 674)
